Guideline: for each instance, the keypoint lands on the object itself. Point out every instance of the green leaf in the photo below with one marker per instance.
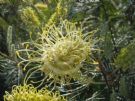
(3, 24)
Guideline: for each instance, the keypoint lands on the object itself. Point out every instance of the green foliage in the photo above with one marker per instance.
(124, 87)
(113, 96)
(9, 75)
(3, 24)
(125, 58)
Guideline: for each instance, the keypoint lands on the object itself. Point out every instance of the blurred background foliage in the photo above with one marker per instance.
(113, 42)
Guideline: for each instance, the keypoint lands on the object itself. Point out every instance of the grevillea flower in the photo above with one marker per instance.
(60, 51)
(30, 93)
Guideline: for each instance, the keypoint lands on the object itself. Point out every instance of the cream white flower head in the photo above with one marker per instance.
(60, 50)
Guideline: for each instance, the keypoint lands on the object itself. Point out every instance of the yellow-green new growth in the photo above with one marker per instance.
(60, 51)
(60, 12)
(29, 93)
(29, 17)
